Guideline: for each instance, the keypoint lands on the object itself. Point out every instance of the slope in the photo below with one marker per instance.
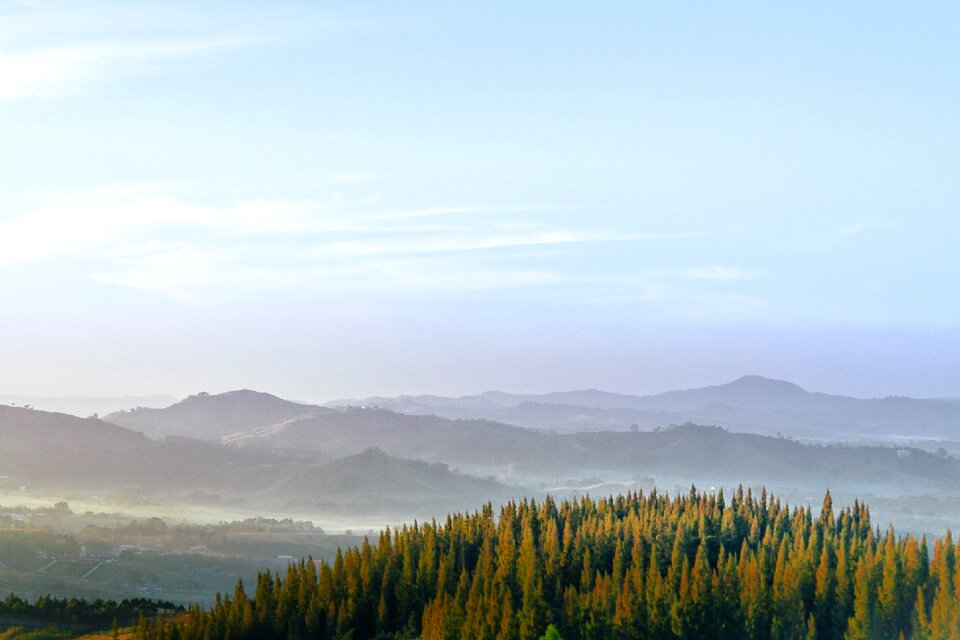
(529, 456)
(51, 452)
(750, 403)
(209, 417)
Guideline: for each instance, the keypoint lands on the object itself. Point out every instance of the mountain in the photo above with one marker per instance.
(79, 406)
(53, 452)
(305, 435)
(210, 417)
(359, 458)
(60, 451)
(354, 429)
(747, 391)
(530, 457)
(375, 482)
(751, 403)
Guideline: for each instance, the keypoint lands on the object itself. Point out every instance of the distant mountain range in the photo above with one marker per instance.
(56, 452)
(428, 454)
(751, 403)
(530, 457)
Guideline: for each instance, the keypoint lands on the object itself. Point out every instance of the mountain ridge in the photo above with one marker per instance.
(54, 452)
(519, 455)
(212, 416)
(751, 403)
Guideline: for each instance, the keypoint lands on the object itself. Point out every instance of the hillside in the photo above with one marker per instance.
(375, 482)
(529, 456)
(54, 452)
(52, 449)
(294, 460)
(212, 416)
(354, 429)
(299, 433)
(751, 403)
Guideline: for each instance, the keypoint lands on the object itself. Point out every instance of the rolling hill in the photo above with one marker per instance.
(364, 459)
(751, 403)
(375, 482)
(52, 452)
(527, 456)
(212, 416)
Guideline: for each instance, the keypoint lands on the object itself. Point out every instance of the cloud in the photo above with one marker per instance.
(37, 73)
(45, 72)
(192, 272)
(433, 212)
(170, 244)
(175, 271)
(81, 222)
(50, 47)
(470, 242)
(65, 230)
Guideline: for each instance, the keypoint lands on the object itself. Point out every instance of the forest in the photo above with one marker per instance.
(654, 566)
(79, 610)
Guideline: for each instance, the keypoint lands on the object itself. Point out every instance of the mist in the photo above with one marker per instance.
(518, 321)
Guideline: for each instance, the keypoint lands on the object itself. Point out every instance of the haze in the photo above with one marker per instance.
(342, 200)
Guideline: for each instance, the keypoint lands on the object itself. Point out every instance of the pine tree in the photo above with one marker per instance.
(551, 634)
(634, 566)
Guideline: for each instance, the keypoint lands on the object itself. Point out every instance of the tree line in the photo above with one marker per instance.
(654, 566)
(79, 610)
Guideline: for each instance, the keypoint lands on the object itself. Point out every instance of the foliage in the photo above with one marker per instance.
(20, 633)
(551, 634)
(633, 566)
(78, 610)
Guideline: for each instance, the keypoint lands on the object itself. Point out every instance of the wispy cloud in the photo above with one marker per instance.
(190, 272)
(37, 73)
(178, 247)
(48, 48)
(45, 72)
(489, 241)
(433, 212)
(64, 230)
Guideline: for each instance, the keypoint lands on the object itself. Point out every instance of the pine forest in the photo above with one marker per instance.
(654, 567)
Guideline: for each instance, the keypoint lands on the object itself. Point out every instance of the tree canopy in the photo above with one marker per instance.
(633, 566)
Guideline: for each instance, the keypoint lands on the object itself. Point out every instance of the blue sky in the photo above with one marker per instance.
(323, 199)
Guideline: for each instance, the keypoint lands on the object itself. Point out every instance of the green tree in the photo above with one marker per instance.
(551, 634)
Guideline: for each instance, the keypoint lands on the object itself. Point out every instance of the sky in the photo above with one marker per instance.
(328, 200)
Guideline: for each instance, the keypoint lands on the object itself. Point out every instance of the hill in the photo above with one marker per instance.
(375, 482)
(54, 452)
(751, 403)
(354, 429)
(528, 456)
(293, 432)
(358, 459)
(212, 416)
